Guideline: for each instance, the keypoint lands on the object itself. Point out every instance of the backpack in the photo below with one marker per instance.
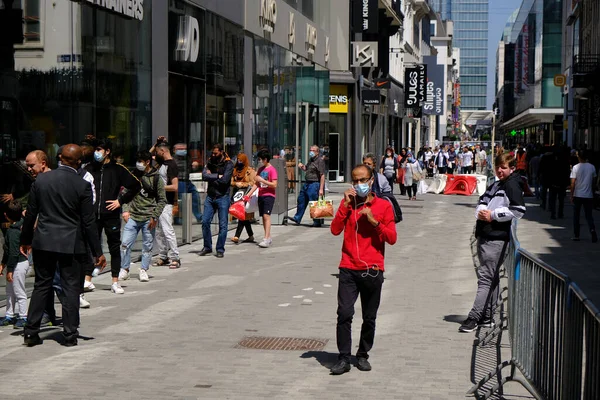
(394, 203)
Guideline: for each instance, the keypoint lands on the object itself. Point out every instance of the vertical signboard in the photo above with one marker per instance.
(366, 16)
(415, 81)
(422, 70)
(525, 57)
(434, 105)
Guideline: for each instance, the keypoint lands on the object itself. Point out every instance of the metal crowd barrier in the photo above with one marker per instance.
(554, 332)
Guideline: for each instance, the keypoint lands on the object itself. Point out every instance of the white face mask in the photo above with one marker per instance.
(140, 166)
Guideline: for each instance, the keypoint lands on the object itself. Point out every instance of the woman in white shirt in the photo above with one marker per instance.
(412, 168)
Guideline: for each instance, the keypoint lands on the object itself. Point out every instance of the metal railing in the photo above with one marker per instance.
(554, 331)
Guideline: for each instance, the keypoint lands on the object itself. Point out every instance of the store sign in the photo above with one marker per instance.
(188, 39)
(370, 96)
(525, 57)
(311, 39)
(364, 54)
(130, 8)
(338, 99)
(434, 105)
(415, 92)
(292, 30)
(366, 16)
(268, 15)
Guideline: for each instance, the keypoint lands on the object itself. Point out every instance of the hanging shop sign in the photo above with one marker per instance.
(292, 30)
(434, 105)
(188, 39)
(415, 92)
(338, 99)
(364, 54)
(366, 16)
(268, 15)
(311, 39)
(370, 96)
(129, 8)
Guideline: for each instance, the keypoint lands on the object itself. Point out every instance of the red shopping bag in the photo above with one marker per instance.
(238, 210)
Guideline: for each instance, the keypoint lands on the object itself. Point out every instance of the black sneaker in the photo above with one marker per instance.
(486, 323)
(594, 237)
(363, 364)
(32, 340)
(342, 366)
(219, 255)
(575, 238)
(205, 252)
(468, 326)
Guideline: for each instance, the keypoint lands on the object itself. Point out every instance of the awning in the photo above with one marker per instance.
(532, 116)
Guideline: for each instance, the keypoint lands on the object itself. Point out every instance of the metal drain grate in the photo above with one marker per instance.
(280, 343)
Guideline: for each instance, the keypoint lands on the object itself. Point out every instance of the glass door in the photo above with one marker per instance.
(306, 129)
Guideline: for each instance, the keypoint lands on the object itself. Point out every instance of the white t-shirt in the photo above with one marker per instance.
(428, 155)
(467, 159)
(584, 174)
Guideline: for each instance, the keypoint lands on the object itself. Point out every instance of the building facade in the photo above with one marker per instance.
(470, 18)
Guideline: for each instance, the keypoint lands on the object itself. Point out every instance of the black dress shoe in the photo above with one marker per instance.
(363, 364)
(219, 255)
(340, 367)
(69, 342)
(204, 252)
(32, 340)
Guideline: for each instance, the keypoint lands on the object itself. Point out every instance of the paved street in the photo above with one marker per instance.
(175, 337)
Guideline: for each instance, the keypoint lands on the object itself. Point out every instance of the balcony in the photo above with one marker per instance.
(586, 68)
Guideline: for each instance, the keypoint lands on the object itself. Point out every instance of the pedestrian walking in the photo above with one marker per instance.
(266, 183)
(368, 224)
(16, 265)
(413, 173)
(521, 156)
(441, 160)
(452, 161)
(142, 214)
(558, 181)
(582, 194)
(467, 161)
(243, 179)
(380, 182)
(166, 240)
(389, 166)
(109, 177)
(497, 208)
(313, 187)
(217, 172)
(401, 159)
(65, 223)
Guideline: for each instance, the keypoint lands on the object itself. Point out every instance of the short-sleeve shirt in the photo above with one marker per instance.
(584, 173)
(315, 169)
(269, 174)
(169, 171)
(467, 159)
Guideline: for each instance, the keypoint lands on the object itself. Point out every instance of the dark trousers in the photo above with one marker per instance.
(544, 196)
(402, 189)
(241, 226)
(442, 170)
(352, 284)
(588, 206)
(411, 190)
(112, 230)
(557, 192)
(450, 170)
(46, 263)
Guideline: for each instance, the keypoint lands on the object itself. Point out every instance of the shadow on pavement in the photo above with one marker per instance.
(455, 318)
(326, 359)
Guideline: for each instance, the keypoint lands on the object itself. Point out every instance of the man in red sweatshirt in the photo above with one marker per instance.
(368, 223)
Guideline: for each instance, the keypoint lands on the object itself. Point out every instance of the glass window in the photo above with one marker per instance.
(32, 22)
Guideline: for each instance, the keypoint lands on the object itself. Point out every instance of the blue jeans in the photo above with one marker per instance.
(130, 232)
(189, 187)
(308, 192)
(221, 206)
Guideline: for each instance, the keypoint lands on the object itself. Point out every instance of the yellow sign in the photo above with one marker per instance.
(560, 80)
(338, 99)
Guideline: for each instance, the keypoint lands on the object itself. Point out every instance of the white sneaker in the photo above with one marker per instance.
(83, 303)
(144, 275)
(116, 288)
(123, 274)
(88, 286)
(265, 243)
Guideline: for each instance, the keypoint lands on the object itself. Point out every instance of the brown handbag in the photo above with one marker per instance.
(321, 208)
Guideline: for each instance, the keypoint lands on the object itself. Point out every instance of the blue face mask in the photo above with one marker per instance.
(181, 153)
(362, 189)
(311, 154)
(411, 160)
(98, 156)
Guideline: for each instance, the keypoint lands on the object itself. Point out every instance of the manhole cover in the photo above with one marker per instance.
(280, 343)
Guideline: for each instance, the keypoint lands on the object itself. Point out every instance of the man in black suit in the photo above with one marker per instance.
(61, 202)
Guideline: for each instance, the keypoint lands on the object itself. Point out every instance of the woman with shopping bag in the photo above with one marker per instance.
(242, 181)
(413, 174)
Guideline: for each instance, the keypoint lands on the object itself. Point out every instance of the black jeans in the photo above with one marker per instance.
(352, 284)
(411, 190)
(588, 206)
(241, 226)
(46, 263)
(556, 191)
(112, 230)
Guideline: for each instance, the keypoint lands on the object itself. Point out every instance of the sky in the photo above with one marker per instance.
(499, 11)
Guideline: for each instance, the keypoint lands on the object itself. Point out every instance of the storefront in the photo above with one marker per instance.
(339, 105)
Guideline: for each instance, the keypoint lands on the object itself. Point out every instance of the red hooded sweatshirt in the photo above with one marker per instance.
(364, 244)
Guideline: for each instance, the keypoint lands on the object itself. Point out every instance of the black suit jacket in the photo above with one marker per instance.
(61, 202)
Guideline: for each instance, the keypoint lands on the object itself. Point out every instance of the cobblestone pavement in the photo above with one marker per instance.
(175, 336)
